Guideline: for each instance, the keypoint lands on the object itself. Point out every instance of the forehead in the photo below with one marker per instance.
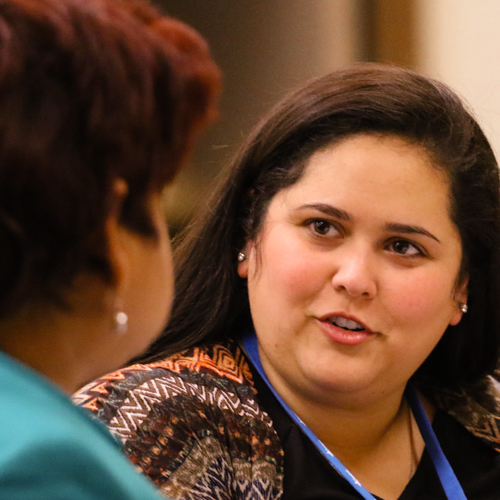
(364, 172)
(380, 158)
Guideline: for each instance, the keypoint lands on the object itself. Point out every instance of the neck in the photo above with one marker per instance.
(384, 454)
(43, 346)
(376, 437)
(346, 427)
(61, 344)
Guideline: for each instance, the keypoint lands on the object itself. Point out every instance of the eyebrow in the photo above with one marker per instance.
(327, 210)
(390, 226)
(409, 229)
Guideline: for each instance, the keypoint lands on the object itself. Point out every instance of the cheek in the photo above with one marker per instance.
(165, 279)
(423, 296)
(155, 295)
(288, 266)
(166, 286)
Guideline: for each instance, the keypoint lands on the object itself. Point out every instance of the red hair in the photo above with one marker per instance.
(90, 91)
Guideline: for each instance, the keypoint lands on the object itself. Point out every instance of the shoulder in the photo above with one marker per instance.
(50, 449)
(192, 420)
(475, 406)
(58, 467)
(196, 375)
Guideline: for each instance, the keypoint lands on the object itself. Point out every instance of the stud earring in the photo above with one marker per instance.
(121, 323)
(464, 307)
(242, 257)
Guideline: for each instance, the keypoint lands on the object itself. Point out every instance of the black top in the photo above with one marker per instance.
(309, 475)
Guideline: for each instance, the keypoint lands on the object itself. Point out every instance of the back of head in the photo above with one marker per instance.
(365, 98)
(90, 91)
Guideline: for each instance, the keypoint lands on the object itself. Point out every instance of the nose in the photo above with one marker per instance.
(354, 273)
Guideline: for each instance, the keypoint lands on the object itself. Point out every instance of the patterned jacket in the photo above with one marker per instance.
(192, 423)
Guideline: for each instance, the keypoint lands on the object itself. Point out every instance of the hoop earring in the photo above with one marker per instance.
(242, 257)
(463, 307)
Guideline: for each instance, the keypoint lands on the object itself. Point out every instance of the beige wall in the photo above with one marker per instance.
(264, 48)
(459, 43)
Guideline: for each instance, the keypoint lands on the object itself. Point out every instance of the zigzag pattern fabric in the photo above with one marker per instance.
(477, 408)
(193, 423)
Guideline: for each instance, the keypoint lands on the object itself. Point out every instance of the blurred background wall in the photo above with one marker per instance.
(458, 41)
(267, 47)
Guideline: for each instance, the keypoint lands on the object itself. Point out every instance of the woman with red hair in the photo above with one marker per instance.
(100, 101)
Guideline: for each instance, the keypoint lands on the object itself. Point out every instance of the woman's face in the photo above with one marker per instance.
(150, 288)
(352, 280)
(145, 291)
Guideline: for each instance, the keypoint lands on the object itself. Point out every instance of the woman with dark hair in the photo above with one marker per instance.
(336, 327)
(100, 101)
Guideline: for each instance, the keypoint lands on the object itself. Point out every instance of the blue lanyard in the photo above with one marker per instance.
(449, 481)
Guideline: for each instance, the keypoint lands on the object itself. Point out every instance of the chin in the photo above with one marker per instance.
(346, 382)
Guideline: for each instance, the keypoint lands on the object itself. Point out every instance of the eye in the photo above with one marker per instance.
(321, 227)
(404, 247)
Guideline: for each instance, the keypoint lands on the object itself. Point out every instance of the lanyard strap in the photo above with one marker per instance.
(449, 481)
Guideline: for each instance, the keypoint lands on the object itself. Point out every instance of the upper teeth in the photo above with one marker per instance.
(346, 323)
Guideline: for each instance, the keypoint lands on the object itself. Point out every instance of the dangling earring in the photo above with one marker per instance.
(463, 307)
(242, 257)
(121, 323)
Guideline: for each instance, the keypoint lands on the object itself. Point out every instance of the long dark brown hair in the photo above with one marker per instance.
(211, 301)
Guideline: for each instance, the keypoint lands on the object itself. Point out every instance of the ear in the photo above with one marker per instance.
(460, 297)
(244, 265)
(114, 233)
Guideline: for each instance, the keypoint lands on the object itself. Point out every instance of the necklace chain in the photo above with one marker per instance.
(413, 451)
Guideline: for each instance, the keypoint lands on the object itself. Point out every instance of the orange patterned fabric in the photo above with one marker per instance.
(193, 424)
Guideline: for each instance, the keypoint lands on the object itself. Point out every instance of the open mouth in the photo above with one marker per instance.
(346, 324)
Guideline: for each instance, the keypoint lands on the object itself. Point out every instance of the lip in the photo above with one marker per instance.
(341, 336)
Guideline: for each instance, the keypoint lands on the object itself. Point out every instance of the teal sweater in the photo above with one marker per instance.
(50, 449)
